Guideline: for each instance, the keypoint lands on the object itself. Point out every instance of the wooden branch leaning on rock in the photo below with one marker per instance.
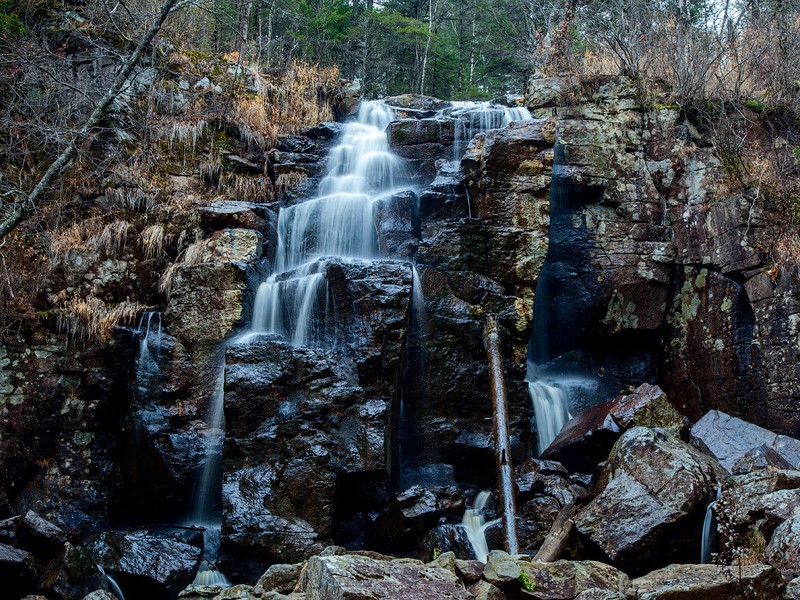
(28, 205)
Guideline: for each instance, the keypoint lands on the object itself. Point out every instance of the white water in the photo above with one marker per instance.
(338, 223)
(708, 541)
(550, 409)
(474, 524)
(203, 511)
(149, 334)
(473, 118)
(115, 589)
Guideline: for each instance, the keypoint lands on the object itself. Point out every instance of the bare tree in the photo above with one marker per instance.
(25, 205)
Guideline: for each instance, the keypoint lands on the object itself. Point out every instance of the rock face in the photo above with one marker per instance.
(565, 580)
(650, 500)
(710, 582)
(783, 551)
(350, 577)
(730, 440)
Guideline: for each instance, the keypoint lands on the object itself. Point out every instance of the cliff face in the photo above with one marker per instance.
(658, 270)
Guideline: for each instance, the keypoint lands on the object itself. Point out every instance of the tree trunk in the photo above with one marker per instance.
(427, 47)
(27, 206)
(502, 442)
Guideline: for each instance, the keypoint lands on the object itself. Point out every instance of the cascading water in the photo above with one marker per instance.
(117, 591)
(709, 535)
(338, 223)
(473, 118)
(149, 334)
(205, 511)
(475, 524)
(550, 410)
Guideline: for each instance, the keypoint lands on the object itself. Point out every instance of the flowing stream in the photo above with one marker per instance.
(475, 524)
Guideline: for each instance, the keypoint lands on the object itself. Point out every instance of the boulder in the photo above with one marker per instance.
(586, 439)
(233, 245)
(16, 568)
(783, 550)
(751, 497)
(651, 500)
(279, 578)
(164, 559)
(711, 582)
(39, 536)
(564, 579)
(417, 102)
(352, 577)
(483, 590)
(228, 214)
(793, 589)
(501, 568)
(729, 439)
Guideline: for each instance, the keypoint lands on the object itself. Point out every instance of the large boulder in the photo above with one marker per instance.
(650, 502)
(783, 550)
(711, 582)
(564, 579)
(729, 439)
(162, 558)
(586, 439)
(352, 577)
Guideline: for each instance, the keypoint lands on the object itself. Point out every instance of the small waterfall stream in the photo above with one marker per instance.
(475, 524)
(550, 409)
(708, 540)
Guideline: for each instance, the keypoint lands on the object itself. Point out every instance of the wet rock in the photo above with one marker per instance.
(417, 102)
(650, 501)
(16, 568)
(350, 577)
(100, 595)
(39, 536)
(783, 550)
(163, 559)
(729, 439)
(586, 439)
(779, 506)
(762, 457)
(747, 498)
(710, 582)
(565, 579)
(501, 568)
(446, 538)
(397, 222)
(279, 578)
(422, 143)
(793, 589)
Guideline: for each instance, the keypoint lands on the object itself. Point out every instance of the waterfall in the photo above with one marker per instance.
(149, 334)
(204, 510)
(474, 524)
(473, 118)
(117, 591)
(550, 410)
(338, 223)
(709, 535)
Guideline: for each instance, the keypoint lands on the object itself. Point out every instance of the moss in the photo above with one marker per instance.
(755, 105)
(526, 583)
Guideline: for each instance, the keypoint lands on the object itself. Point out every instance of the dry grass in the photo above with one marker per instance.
(304, 97)
(112, 238)
(90, 320)
(152, 241)
(252, 118)
(192, 255)
(287, 181)
(248, 188)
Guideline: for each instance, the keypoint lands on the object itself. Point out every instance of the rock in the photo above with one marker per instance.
(747, 498)
(279, 578)
(470, 570)
(483, 590)
(16, 568)
(564, 579)
(39, 536)
(711, 582)
(447, 538)
(207, 302)
(586, 440)
(446, 561)
(762, 457)
(163, 559)
(350, 577)
(233, 245)
(783, 550)
(729, 439)
(100, 595)
(598, 594)
(241, 165)
(779, 506)
(793, 589)
(232, 214)
(501, 568)
(651, 500)
(397, 222)
(417, 102)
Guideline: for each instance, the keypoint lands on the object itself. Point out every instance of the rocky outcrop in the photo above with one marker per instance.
(650, 501)
(730, 439)
(349, 577)
(586, 440)
(710, 582)
(783, 550)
